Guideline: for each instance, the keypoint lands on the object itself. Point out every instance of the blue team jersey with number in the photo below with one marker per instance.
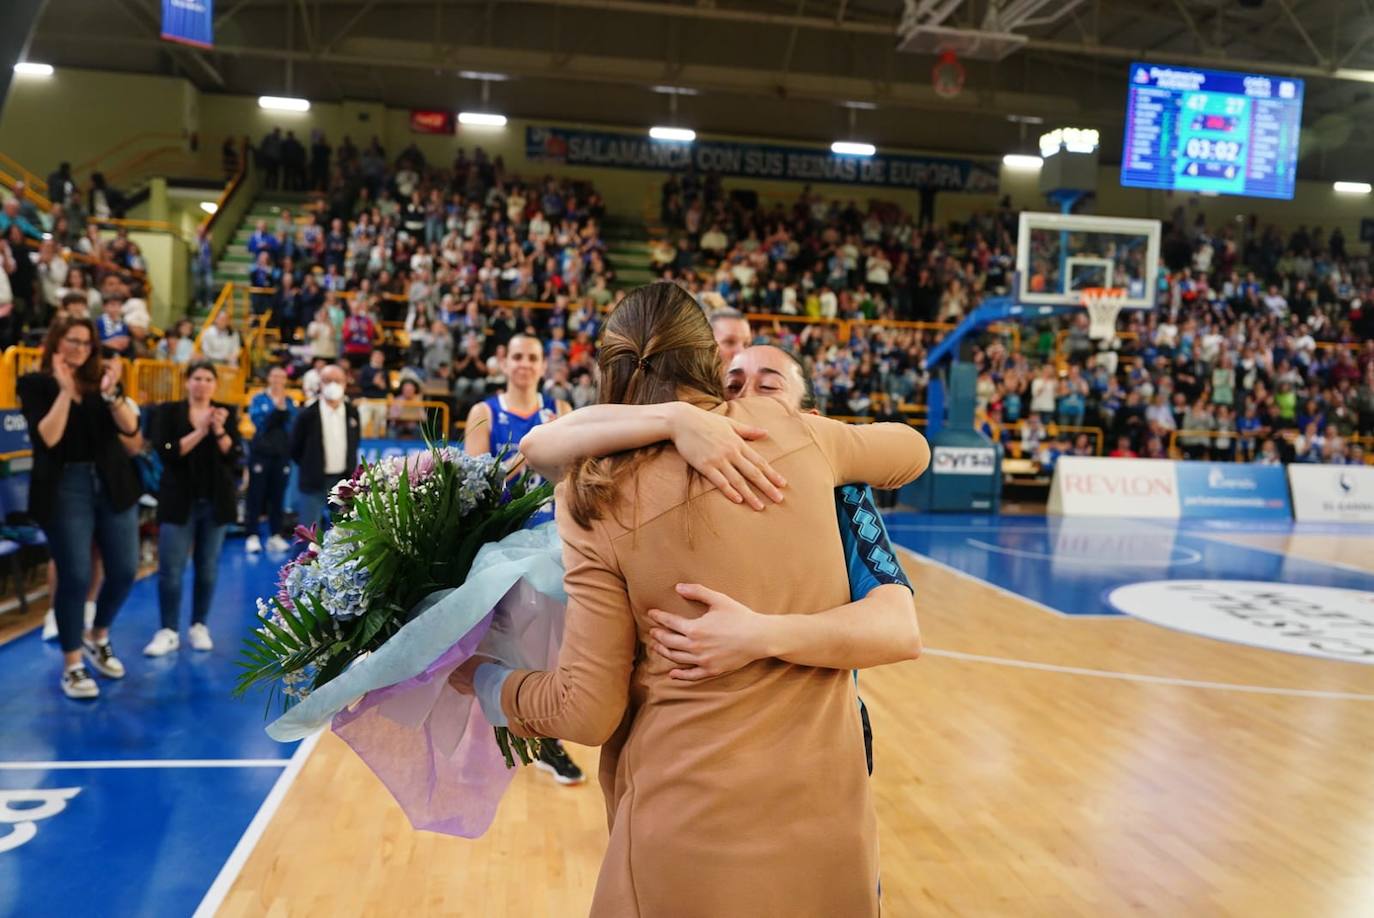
(509, 428)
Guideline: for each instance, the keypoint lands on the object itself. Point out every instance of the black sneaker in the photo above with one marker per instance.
(553, 758)
(77, 683)
(102, 658)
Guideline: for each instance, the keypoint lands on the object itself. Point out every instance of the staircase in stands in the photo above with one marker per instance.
(234, 262)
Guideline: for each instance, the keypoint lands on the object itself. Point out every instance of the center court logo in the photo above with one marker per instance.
(1327, 622)
(21, 811)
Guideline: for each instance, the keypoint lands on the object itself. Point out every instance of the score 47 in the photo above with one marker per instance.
(1231, 105)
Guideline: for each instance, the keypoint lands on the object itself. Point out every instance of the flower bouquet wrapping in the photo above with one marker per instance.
(427, 564)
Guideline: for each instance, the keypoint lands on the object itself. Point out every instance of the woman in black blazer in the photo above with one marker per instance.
(198, 441)
(83, 490)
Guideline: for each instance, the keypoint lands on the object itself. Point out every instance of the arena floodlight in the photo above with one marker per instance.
(30, 68)
(481, 119)
(1353, 187)
(852, 148)
(209, 206)
(283, 104)
(1022, 162)
(673, 134)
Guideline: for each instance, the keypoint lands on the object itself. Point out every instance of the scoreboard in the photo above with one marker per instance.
(1211, 131)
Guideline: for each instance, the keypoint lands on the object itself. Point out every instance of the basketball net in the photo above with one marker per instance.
(1104, 304)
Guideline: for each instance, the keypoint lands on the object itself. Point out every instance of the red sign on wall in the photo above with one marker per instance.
(431, 122)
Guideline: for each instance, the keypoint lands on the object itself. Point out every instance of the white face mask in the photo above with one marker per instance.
(333, 392)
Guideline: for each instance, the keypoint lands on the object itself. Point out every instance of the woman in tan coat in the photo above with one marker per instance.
(739, 795)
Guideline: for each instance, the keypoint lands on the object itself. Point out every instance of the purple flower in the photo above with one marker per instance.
(420, 466)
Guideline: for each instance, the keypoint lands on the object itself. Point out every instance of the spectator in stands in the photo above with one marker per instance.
(10, 217)
(269, 158)
(264, 241)
(179, 344)
(114, 333)
(470, 372)
(360, 333)
(9, 334)
(323, 336)
(220, 343)
(229, 159)
(272, 412)
(198, 442)
(406, 414)
(77, 283)
(83, 490)
(324, 444)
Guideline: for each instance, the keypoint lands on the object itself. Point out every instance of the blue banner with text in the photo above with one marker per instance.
(1228, 490)
(189, 22)
(764, 161)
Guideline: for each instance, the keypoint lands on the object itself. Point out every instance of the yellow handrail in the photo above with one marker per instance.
(38, 200)
(226, 296)
(31, 179)
(94, 161)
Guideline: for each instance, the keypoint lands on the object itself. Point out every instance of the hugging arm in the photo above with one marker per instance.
(714, 445)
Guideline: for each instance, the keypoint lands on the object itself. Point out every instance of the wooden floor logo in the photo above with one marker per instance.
(1329, 622)
(22, 810)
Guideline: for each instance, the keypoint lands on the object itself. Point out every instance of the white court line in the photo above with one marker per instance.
(146, 763)
(1147, 679)
(963, 575)
(214, 897)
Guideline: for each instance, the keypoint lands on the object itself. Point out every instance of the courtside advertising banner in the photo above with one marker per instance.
(1332, 493)
(1091, 486)
(964, 460)
(189, 22)
(1229, 490)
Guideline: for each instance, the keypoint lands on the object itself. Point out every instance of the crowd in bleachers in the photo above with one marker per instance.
(1261, 347)
(429, 264)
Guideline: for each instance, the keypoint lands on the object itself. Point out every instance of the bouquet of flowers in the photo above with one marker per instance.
(427, 564)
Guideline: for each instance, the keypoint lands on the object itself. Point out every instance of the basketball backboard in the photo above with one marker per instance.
(1058, 256)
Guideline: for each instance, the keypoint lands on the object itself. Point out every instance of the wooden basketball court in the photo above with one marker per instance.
(1029, 764)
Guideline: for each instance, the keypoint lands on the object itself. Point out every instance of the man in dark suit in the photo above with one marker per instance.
(324, 445)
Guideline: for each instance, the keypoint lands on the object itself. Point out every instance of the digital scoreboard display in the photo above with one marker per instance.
(1211, 131)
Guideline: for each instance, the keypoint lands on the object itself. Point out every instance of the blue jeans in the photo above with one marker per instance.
(82, 514)
(174, 546)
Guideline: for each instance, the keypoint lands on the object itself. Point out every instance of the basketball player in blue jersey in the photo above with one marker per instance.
(878, 626)
(496, 426)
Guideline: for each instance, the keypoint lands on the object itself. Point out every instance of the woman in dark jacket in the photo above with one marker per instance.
(200, 449)
(83, 489)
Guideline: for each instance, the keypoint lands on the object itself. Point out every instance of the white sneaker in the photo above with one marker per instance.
(102, 658)
(200, 638)
(90, 615)
(253, 544)
(277, 544)
(164, 642)
(77, 683)
(50, 625)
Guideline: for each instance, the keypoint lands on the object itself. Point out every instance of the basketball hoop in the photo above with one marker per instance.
(1104, 304)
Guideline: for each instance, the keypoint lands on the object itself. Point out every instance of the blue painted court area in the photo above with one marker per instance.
(133, 802)
(1068, 566)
